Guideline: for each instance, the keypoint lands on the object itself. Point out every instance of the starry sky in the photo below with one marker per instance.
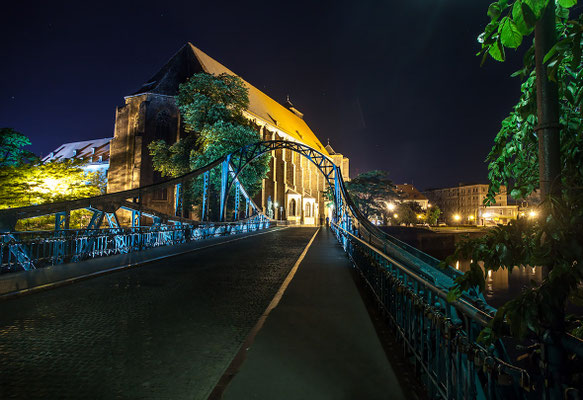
(394, 85)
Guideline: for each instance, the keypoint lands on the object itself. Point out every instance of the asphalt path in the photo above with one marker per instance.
(165, 330)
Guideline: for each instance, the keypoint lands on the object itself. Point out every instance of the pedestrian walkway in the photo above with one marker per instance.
(319, 342)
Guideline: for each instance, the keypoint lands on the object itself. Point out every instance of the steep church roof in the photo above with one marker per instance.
(190, 60)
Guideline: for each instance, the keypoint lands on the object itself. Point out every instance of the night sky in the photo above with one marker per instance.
(395, 85)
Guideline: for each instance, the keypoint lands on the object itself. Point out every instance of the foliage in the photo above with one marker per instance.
(78, 219)
(370, 192)
(513, 161)
(432, 214)
(11, 148)
(212, 110)
(30, 184)
(555, 241)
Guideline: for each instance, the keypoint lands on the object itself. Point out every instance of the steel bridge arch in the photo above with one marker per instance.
(235, 162)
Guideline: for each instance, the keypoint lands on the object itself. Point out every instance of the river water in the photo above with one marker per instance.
(504, 285)
(501, 285)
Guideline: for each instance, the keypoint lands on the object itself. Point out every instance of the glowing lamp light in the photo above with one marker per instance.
(532, 214)
(471, 217)
(419, 216)
(457, 217)
(396, 215)
(52, 185)
(390, 206)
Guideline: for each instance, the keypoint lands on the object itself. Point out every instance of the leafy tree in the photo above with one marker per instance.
(31, 184)
(555, 241)
(407, 213)
(371, 191)
(432, 214)
(212, 110)
(11, 148)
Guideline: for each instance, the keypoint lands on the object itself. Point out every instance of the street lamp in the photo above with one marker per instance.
(457, 217)
(390, 206)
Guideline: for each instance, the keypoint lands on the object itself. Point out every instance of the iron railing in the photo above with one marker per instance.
(42, 248)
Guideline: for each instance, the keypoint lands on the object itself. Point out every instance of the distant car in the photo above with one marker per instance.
(442, 224)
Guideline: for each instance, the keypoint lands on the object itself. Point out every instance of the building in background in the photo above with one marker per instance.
(464, 204)
(294, 187)
(409, 194)
(340, 160)
(95, 152)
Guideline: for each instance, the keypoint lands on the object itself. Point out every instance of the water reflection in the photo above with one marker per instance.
(504, 285)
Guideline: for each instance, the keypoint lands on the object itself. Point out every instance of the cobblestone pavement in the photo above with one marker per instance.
(162, 331)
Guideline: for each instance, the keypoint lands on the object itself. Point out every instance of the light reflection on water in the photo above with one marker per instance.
(504, 285)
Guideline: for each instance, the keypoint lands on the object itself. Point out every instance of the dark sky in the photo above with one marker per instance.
(395, 85)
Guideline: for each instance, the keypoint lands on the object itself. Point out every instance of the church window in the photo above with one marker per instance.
(292, 207)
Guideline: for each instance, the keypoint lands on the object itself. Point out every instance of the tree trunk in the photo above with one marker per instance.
(547, 101)
(548, 128)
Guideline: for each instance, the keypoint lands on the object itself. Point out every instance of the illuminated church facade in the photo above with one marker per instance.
(294, 187)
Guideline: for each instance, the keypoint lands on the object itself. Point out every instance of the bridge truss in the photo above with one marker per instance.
(438, 336)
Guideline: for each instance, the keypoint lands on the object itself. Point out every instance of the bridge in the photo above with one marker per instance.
(244, 308)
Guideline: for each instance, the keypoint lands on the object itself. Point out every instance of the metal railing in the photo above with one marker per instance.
(439, 336)
(44, 248)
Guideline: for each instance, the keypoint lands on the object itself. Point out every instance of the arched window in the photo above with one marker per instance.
(292, 207)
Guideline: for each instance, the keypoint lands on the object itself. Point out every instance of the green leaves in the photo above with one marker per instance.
(510, 35)
(566, 3)
(496, 51)
(494, 11)
(11, 148)
(537, 6)
(523, 17)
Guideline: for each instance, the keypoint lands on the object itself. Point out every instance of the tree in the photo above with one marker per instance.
(11, 148)
(38, 183)
(407, 213)
(371, 191)
(556, 240)
(212, 110)
(432, 214)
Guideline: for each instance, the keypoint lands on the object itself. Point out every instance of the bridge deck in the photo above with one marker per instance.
(319, 342)
(170, 329)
